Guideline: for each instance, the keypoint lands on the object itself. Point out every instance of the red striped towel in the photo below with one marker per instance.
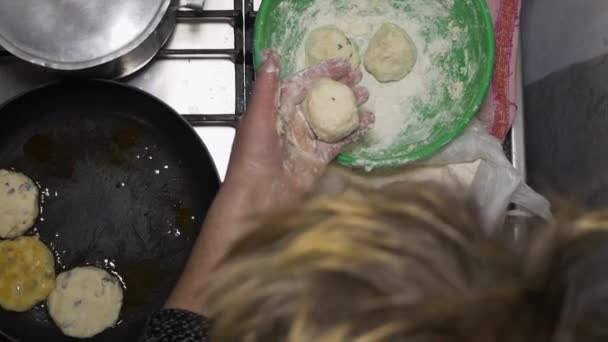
(499, 109)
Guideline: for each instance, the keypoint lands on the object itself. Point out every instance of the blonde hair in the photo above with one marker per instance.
(407, 264)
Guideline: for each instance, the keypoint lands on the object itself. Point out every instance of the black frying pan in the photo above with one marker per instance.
(126, 184)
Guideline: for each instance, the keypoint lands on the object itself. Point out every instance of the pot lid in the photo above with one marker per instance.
(77, 34)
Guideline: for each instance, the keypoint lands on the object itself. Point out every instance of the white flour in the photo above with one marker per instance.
(397, 105)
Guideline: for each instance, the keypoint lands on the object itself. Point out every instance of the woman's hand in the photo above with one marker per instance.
(275, 150)
(275, 159)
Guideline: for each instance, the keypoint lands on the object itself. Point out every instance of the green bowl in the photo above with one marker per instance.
(467, 63)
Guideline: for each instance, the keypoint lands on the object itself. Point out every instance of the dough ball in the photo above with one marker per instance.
(85, 301)
(391, 54)
(329, 42)
(331, 110)
(18, 204)
(27, 273)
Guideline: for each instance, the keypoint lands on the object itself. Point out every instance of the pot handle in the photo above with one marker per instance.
(197, 5)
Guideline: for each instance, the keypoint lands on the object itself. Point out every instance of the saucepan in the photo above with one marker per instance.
(102, 39)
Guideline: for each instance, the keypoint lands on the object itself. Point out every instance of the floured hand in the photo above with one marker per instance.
(305, 156)
(288, 159)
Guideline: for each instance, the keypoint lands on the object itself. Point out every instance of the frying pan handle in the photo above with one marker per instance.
(197, 5)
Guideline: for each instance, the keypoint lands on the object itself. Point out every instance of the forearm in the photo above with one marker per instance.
(229, 219)
(210, 248)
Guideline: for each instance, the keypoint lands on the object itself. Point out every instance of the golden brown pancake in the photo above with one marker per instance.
(27, 273)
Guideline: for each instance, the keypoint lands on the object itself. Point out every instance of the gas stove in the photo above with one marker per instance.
(205, 72)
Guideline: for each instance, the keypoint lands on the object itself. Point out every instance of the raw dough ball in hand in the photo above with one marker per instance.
(331, 110)
(18, 204)
(391, 54)
(85, 301)
(329, 42)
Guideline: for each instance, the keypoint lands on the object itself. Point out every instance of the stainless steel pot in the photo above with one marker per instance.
(103, 39)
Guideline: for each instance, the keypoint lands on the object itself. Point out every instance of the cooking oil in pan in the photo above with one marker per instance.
(59, 159)
(139, 282)
(125, 138)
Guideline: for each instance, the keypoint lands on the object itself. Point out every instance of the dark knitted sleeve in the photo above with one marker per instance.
(176, 325)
